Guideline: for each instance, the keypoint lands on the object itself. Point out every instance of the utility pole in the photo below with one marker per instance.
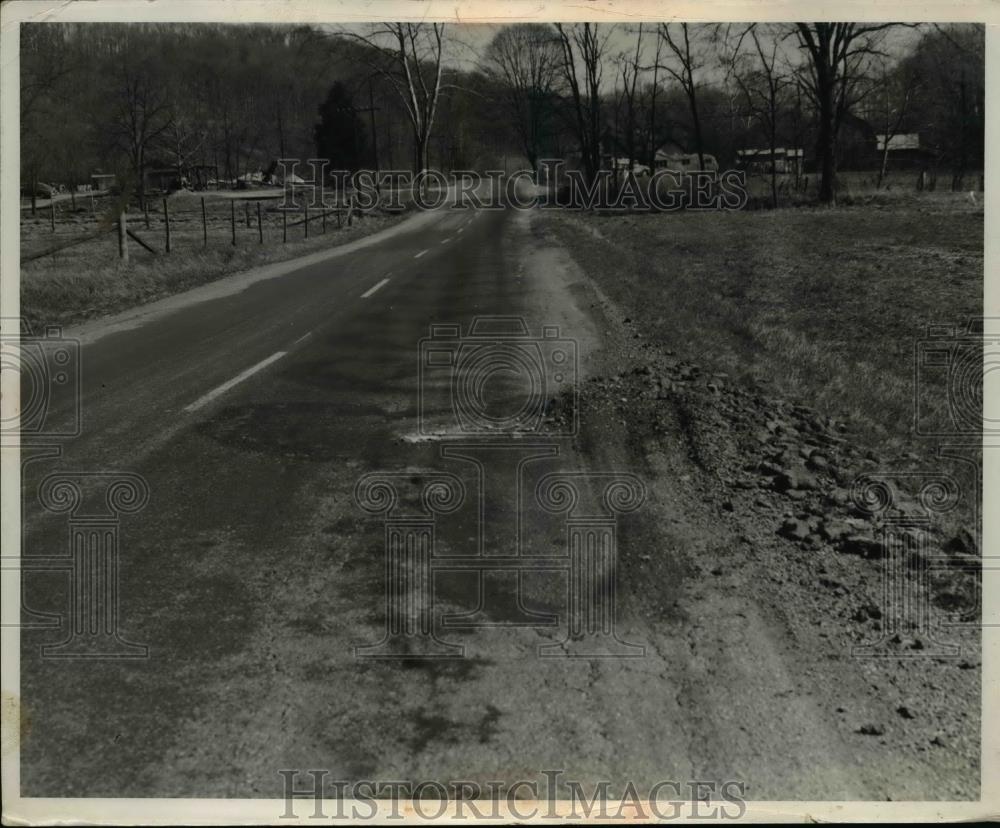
(371, 114)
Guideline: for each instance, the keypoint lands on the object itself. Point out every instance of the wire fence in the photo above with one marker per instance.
(155, 227)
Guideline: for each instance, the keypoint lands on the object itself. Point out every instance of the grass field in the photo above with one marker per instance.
(89, 279)
(898, 186)
(821, 305)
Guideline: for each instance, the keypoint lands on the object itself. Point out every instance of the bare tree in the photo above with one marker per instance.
(763, 84)
(184, 141)
(895, 88)
(838, 56)
(654, 93)
(409, 56)
(140, 108)
(629, 66)
(584, 46)
(686, 59)
(46, 65)
(524, 60)
(950, 104)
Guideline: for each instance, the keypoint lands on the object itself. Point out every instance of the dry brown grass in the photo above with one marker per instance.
(89, 279)
(898, 188)
(821, 305)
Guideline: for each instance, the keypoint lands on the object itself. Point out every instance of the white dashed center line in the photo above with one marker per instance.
(371, 290)
(421, 253)
(445, 241)
(222, 389)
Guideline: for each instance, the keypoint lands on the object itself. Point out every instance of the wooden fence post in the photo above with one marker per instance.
(204, 224)
(93, 205)
(145, 210)
(166, 223)
(232, 219)
(246, 212)
(52, 213)
(305, 222)
(324, 218)
(284, 226)
(122, 238)
(260, 226)
(350, 211)
(340, 220)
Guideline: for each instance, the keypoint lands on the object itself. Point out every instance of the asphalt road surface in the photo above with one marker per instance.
(251, 410)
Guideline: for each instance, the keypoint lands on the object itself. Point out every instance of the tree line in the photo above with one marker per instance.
(232, 99)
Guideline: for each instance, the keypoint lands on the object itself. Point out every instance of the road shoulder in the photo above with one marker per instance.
(770, 688)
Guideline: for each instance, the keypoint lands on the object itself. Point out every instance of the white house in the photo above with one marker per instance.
(672, 157)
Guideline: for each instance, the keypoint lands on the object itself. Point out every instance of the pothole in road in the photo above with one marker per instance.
(300, 430)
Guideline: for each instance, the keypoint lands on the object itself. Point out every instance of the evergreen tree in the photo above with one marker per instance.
(340, 134)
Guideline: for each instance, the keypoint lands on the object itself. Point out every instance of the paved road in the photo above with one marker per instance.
(252, 575)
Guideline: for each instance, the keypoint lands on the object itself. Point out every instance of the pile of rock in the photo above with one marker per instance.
(799, 464)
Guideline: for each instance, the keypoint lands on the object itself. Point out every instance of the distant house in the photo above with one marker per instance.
(250, 179)
(103, 181)
(904, 150)
(168, 177)
(784, 160)
(906, 141)
(621, 165)
(672, 157)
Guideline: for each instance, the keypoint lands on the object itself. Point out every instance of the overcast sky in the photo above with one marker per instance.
(466, 43)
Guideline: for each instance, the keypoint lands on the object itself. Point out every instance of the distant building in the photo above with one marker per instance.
(904, 151)
(672, 157)
(103, 181)
(621, 165)
(249, 180)
(784, 160)
(906, 141)
(168, 177)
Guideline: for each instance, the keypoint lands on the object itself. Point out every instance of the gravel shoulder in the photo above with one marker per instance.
(783, 580)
